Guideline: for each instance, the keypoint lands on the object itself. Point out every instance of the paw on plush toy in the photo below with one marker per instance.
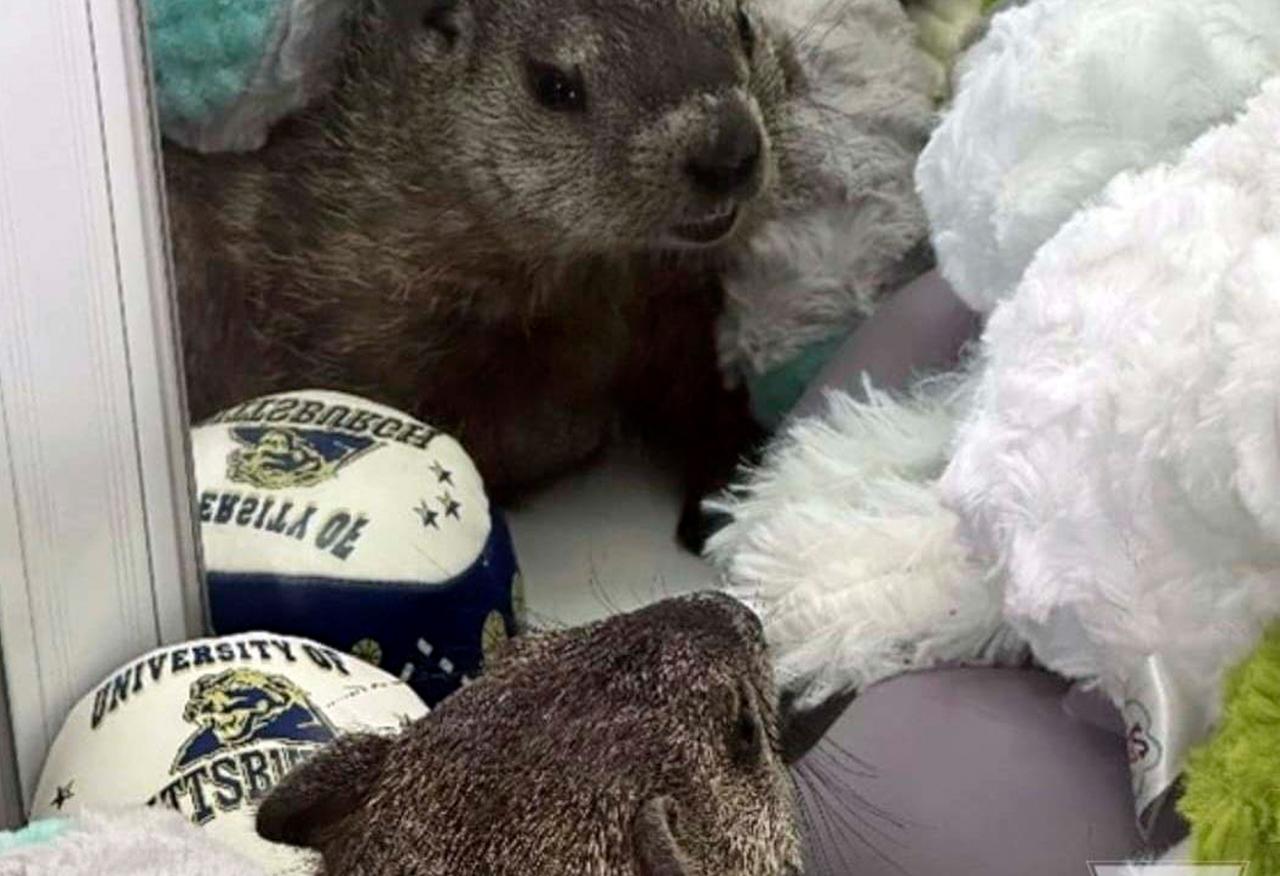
(1100, 482)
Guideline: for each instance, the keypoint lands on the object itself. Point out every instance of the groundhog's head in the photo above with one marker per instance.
(643, 745)
(592, 125)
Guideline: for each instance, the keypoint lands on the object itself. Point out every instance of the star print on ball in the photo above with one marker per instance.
(329, 516)
(451, 506)
(428, 514)
(63, 795)
(443, 475)
(446, 504)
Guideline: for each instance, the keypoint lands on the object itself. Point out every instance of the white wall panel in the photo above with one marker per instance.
(96, 539)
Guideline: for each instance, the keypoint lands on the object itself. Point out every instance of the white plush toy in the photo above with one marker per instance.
(1121, 463)
(1103, 483)
(1062, 95)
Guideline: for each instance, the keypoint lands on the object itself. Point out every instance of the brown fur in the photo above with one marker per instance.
(431, 237)
(642, 745)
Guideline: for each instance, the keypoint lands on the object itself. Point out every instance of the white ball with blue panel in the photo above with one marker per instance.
(209, 727)
(326, 515)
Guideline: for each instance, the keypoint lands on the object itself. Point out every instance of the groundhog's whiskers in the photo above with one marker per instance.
(831, 807)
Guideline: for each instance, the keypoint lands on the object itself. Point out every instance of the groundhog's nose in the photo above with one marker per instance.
(728, 163)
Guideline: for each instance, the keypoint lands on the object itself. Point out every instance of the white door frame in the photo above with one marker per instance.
(97, 543)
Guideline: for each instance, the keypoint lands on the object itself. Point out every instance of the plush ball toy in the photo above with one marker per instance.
(209, 727)
(327, 516)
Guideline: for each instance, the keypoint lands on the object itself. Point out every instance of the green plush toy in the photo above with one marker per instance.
(1232, 782)
(945, 29)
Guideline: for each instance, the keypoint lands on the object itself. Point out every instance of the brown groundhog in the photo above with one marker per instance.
(505, 219)
(642, 745)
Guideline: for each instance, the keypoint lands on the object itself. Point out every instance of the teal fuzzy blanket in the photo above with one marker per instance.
(226, 70)
(130, 842)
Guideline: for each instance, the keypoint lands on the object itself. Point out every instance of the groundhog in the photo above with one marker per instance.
(642, 745)
(506, 218)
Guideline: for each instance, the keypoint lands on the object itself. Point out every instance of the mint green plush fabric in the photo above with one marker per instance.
(33, 834)
(776, 391)
(205, 52)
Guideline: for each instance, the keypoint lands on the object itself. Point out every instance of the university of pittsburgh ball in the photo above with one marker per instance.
(208, 728)
(328, 516)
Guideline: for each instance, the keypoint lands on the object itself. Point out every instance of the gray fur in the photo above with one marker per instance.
(429, 236)
(853, 226)
(642, 745)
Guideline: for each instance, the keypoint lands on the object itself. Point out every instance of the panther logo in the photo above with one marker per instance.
(239, 706)
(278, 457)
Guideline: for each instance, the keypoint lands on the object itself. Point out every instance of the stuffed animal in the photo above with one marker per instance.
(799, 284)
(789, 312)
(1121, 464)
(1097, 483)
(1232, 785)
(946, 28)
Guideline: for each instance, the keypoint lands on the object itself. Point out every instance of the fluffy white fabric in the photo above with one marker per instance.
(840, 544)
(131, 842)
(1122, 463)
(1059, 97)
(851, 214)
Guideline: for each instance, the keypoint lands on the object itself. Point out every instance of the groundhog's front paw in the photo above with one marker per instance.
(697, 524)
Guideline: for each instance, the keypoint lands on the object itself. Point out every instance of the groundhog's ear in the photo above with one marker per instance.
(658, 849)
(445, 21)
(323, 790)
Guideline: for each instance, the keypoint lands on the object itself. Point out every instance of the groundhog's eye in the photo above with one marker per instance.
(557, 89)
(746, 31)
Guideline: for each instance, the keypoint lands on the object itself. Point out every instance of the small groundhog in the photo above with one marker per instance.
(505, 218)
(642, 745)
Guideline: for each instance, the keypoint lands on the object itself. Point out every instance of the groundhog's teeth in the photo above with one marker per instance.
(709, 229)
